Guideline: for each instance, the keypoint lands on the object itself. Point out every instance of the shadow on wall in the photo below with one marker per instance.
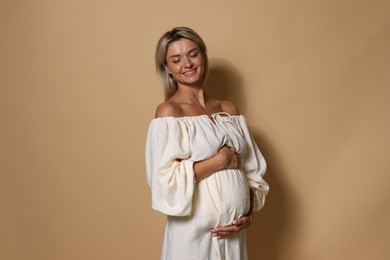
(270, 235)
(267, 237)
(225, 82)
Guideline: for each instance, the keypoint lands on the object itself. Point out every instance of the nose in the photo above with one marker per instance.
(188, 62)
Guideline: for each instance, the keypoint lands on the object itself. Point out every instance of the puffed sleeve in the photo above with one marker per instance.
(170, 173)
(254, 166)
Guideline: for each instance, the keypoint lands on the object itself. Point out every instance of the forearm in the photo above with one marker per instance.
(226, 158)
(205, 168)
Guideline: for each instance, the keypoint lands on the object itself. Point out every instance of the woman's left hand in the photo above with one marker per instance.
(237, 226)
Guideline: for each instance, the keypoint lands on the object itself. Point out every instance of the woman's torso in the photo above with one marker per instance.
(224, 195)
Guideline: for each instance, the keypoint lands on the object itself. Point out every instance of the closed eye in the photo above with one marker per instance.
(194, 54)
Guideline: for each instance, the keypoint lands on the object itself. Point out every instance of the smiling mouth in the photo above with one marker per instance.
(190, 73)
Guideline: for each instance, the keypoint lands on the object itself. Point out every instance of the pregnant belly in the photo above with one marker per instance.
(229, 192)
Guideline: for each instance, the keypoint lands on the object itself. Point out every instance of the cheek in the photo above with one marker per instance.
(175, 69)
(200, 62)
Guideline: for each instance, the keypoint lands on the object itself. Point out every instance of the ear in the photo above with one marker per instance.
(167, 70)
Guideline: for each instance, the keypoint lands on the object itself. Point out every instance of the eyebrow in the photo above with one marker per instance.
(178, 55)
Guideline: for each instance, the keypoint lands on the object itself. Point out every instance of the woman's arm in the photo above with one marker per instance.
(226, 158)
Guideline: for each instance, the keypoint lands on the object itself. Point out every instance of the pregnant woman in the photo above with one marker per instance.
(203, 166)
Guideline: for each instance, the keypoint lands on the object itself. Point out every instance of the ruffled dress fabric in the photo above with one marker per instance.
(173, 145)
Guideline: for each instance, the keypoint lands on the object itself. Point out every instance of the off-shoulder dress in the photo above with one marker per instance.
(173, 145)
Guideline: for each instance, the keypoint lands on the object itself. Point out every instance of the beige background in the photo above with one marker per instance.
(78, 90)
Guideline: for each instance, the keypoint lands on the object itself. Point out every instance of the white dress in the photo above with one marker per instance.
(173, 144)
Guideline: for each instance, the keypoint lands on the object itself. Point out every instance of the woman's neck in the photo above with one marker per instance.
(191, 95)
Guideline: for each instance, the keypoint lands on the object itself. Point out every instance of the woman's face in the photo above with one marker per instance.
(185, 62)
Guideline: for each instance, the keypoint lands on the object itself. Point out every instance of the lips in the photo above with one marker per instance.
(190, 73)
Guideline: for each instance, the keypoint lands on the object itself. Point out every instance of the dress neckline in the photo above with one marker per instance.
(213, 115)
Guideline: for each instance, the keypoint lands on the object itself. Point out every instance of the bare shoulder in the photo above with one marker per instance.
(229, 107)
(167, 109)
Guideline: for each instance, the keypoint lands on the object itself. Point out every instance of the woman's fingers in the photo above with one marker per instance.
(226, 231)
(231, 158)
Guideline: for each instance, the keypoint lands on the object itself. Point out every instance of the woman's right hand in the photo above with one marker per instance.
(229, 158)
(226, 158)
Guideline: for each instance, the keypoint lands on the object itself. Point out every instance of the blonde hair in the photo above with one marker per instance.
(177, 33)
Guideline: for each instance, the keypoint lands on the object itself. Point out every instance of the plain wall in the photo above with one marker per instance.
(78, 90)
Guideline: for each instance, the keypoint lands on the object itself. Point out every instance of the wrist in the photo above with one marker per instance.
(220, 162)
